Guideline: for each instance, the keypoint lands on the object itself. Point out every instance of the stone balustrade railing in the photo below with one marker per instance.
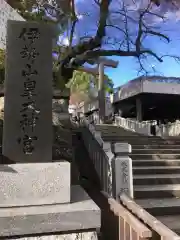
(154, 228)
(112, 164)
(133, 125)
(170, 129)
(100, 153)
(115, 172)
(135, 223)
(91, 109)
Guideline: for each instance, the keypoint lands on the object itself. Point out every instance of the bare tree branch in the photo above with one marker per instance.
(126, 28)
(74, 19)
(114, 26)
(158, 34)
(130, 42)
(93, 42)
(95, 53)
(97, 2)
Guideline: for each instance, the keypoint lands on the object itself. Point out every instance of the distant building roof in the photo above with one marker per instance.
(155, 78)
(147, 84)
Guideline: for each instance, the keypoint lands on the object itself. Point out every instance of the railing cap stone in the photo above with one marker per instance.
(107, 146)
(122, 148)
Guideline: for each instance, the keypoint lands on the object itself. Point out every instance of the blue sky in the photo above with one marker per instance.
(128, 67)
(88, 14)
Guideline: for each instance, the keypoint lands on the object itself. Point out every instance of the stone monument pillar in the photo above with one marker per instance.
(27, 129)
(38, 190)
(27, 134)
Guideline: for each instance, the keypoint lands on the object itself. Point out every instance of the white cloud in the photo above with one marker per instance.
(63, 40)
(175, 16)
(80, 16)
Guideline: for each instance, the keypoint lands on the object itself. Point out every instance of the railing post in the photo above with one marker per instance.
(108, 175)
(97, 135)
(122, 170)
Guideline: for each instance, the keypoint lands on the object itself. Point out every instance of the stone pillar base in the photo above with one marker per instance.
(33, 184)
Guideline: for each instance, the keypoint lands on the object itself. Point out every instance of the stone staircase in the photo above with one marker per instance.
(156, 172)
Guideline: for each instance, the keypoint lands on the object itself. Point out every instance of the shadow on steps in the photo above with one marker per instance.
(89, 180)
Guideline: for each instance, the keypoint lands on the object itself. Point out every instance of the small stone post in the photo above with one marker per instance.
(122, 171)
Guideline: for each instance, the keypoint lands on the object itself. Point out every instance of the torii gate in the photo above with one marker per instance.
(102, 62)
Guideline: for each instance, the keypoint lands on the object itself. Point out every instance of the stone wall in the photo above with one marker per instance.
(60, 112)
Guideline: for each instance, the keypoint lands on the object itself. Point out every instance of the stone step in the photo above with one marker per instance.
(172, 222)
(162, 144)
(134, 136)
(154, 162)
(156, 170)
(140, 139)
(154, 156)
(154, 146)
(155, 151)
(115, 129)
(157, 191)
(159, 207)
(123, 136)
(117, 136)
(156, 179)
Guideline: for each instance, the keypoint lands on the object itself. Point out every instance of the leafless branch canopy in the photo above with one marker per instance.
(120, 32)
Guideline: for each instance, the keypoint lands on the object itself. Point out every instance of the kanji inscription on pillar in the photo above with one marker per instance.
(27, 133)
